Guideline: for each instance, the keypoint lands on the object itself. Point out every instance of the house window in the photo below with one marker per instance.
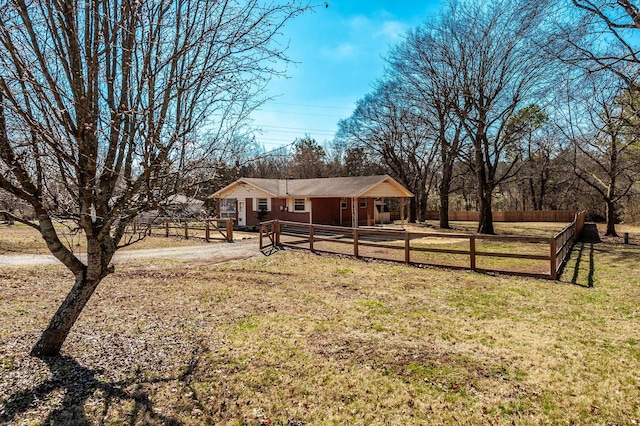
(298, 204)
(343, 203)
(263, 204)
(227, 208)
(363, 203)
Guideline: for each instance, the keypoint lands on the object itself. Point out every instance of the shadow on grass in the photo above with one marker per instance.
(590, 236)
(268, 251)
(576, 268)
(79, 384)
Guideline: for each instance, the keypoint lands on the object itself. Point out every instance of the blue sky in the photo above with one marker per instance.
(339, 52)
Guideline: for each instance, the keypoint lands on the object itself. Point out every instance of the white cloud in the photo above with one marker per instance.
(358, 23)
(363, 36)
(344, 50)
(393, 30)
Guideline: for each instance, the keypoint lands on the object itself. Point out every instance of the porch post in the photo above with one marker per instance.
(310, 211)
(354, 212)
(402, 210)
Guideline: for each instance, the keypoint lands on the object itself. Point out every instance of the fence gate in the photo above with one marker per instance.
(269, 237)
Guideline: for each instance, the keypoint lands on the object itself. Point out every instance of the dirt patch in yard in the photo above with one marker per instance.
(206, 253)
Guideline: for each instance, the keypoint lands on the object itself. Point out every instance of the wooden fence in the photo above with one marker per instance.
(510, 216)
(541, 257)
(206, 229)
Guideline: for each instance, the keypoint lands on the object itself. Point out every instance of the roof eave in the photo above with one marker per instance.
(239, 182)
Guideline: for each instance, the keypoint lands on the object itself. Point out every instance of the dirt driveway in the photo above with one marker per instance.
(211, 253)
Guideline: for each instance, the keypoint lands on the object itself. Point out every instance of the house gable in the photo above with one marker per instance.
(389, 188)
(242, 190)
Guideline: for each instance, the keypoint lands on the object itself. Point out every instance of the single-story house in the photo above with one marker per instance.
(347, 201)
(182, 205)
(174, 206)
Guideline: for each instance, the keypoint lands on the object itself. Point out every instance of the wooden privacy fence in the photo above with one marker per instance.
(510, 216)
(540, 257)
(206, 229)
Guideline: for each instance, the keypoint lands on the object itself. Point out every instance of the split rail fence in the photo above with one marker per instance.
(539, 257)
(206, 229)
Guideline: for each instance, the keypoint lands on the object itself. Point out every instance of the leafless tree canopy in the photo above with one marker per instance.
(460, 83)
(603, 35)
(603, 119)
(387, 124)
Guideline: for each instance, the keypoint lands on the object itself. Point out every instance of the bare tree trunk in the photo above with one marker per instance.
(532, 191)
(485, 222)
(445, 187)
(99, 255)
(485, 185)
(444, 212)
(413, 210)
(54, 335)
(422, 208)
(611, 219)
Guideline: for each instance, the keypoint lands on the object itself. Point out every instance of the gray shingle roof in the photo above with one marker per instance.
(322, 187)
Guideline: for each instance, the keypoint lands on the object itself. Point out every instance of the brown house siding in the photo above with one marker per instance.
(324, 211)
(284, 214)
(275, 213)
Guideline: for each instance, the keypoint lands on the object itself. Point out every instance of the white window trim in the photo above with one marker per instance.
(228, 201)
(304, 207)
(291, 205)
(255, 203)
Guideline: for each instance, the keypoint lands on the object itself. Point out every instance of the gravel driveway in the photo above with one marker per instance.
(213, 253)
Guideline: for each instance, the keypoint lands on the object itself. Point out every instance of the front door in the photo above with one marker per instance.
(242, 214)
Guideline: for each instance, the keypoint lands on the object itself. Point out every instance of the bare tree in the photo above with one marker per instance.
(602, 126)
(425, 64)
(387, 125)
(103, 109)
(499, 71)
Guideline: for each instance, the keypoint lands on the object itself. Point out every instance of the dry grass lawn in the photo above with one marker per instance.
(532, 229)
(298, 338)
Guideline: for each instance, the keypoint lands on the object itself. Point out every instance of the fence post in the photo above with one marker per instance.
(262, 226)
(472, 252)
(166, 228)
(229, 230)
(206, 230)
(355, 242)
(311, 238)
(407, 248)
(186, 230)
(135, 226)
(554, 259)
(276, 229)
